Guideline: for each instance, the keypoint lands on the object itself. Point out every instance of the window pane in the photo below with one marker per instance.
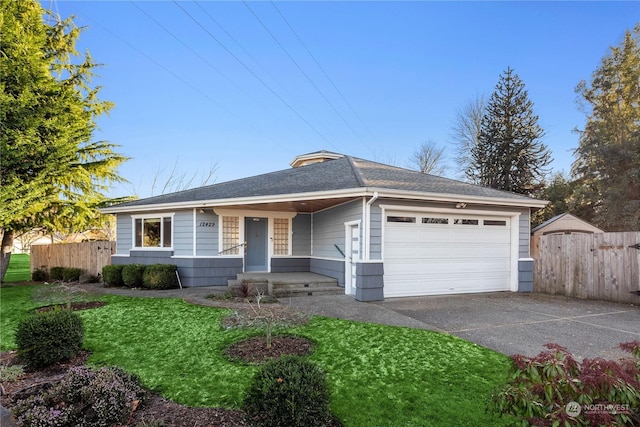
(138, 233)
(495, 222)
(230, 235)
(409, 219)
(151, 232)
(435, 220)
(281, 236)
(465, 221)
(166, 229)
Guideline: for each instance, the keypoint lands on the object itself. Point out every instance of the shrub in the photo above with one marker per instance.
(132, 275)
(56, 273)
(39, 275)
(11, 373)
(554, 389)
(84, 397)
(50, 337)
(112, 275)
(160, 276)
(71, 274)
(289, 391)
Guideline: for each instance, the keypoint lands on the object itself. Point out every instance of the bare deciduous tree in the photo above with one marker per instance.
(465, 132)
(429, 158)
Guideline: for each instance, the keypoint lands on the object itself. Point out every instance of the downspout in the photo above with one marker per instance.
(367, 226)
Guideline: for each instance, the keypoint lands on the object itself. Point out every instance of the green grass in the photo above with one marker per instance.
(379, 375)
(19, 269)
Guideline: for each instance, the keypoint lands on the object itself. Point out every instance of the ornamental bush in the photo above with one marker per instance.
(112, 275)
(290, 391)
(84, 397)
(553, 388)
(71, 274)
(56, 273)
(50, 337)
(39, 275)
(132, 275)
(160, 276)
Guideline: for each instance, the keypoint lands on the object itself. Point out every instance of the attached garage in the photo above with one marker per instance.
(431, 253)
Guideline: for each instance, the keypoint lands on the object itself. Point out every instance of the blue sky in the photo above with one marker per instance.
(202, 83)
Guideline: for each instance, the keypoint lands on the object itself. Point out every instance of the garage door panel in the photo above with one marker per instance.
(430, 259)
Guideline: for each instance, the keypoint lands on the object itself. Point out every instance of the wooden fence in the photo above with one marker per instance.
(603, 266)
(89, 256)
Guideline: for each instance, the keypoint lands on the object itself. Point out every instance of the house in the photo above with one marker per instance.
(565, 224)
(380, 230)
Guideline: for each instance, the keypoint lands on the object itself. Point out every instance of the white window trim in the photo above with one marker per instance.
(160, 215)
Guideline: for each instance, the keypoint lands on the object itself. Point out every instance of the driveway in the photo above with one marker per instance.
(504, 321)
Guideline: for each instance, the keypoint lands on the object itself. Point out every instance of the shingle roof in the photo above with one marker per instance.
(339, 174)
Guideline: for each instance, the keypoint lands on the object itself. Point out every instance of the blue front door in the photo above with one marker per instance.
(255, 231)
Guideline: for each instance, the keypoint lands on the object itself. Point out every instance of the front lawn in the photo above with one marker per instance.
(379, 375)
(19, 269)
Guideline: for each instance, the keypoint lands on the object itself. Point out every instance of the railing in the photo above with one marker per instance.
(339, 250)
(232, 248)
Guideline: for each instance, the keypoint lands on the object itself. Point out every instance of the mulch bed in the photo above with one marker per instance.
(254, 350)
(157, 408)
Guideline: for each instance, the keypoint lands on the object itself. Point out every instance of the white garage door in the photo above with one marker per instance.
(435, 253)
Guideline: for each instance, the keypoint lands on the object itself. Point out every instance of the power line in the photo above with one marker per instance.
(269, 88)
(185, 82)
(303, 72)
(203, 59)
(324, 72)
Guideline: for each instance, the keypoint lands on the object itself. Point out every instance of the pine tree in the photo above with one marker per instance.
(607, 166)
(51, 170)
(509, 155)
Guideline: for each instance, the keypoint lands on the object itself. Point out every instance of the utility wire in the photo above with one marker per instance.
(254, 74)
(185, 82)
(246, 52)
(213, 67)
(303, 72)
(344, 98)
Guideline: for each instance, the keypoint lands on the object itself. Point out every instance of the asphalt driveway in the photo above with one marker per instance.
(504, 321)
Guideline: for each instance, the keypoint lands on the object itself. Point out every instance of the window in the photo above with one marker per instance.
(281, 236)
(153, 232)
(428, 220)
(407, 219)
(461, 221)
(230, 235)
(495, 222)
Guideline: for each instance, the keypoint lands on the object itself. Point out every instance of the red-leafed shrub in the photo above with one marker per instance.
(553, 388)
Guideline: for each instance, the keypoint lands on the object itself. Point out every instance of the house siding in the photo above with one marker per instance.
(525, 233)
(124, 234)
(290, 264)
(328, 267)
(301, 239)
(183, 233)
(375, 229)
(207, 232)
(328, 229)
(370, 281)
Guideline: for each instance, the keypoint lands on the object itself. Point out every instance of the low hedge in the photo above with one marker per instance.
(112, 275)
(160, 276)
(132, 275)
(56, 273)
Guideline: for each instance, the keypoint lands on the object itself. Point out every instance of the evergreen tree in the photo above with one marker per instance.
(51, 170)
(607, 166)
(509, 155)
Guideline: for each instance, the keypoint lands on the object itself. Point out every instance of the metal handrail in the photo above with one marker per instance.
(338, 248)
(232, 247)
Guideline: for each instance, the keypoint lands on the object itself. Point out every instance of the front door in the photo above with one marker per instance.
(352, 256)
(256, 249)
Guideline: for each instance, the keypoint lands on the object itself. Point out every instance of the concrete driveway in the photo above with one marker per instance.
(504, 321)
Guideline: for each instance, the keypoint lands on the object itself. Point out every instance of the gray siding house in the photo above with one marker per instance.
(380, 230)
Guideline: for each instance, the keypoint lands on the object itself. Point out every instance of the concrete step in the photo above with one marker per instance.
(315, 284)
(302, 291)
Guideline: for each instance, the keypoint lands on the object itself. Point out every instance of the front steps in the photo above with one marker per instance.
(284, 285)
